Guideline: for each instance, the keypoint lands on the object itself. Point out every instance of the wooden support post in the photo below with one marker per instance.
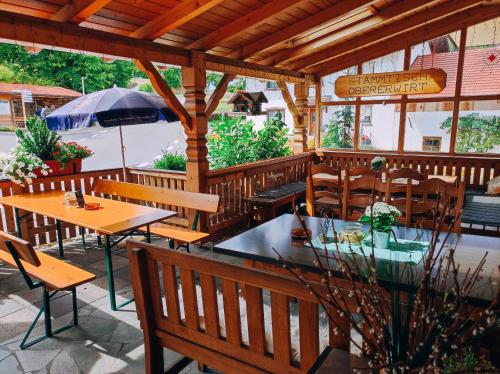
(317, 128)
(218, 93)
(300, 125)
(194, 80)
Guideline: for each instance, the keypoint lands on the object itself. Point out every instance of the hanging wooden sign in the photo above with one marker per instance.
(408, 82)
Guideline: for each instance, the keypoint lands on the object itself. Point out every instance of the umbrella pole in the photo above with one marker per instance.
(122, 147)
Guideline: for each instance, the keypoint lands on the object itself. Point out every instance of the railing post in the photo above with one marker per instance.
(300, 122)
(194, 80)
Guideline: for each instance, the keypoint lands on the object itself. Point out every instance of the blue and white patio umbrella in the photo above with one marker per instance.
(110, 108)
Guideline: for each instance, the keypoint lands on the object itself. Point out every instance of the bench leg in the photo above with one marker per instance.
(45, 309)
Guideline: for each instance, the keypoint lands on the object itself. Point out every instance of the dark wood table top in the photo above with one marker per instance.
(275, 194)
(258, 243)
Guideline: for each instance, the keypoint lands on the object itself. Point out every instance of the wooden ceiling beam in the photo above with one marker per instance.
(471, 16)
(376, 35)
(232, 29)
(218, 93)
(77, 11)
(316, 20)
(174, 18)
(164, 90)
(43, 33)
(397, 10)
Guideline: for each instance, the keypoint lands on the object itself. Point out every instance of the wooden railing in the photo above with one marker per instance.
(39, 229)
(236, 183)
(475, 171)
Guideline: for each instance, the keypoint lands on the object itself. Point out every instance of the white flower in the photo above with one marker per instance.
(44, 172)
(382, 208)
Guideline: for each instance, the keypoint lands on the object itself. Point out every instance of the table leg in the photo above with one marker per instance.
(18, 223)
(109, 270)
(60, 238)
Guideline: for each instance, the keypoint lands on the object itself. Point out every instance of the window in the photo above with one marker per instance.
(4, 108)
(328, 83)
(431, 144)
(481, 74)
(273, 112)
(366, 115)
(385, 64)
(337, 127)
(478, 127)
(379, 127)
(271, 85)
(429, 120)
(18, 108)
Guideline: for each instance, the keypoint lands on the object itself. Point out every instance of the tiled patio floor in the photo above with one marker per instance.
(104, 342)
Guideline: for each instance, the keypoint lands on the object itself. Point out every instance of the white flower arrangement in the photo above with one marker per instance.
(377, 163)
(19, 166)
(381, 215)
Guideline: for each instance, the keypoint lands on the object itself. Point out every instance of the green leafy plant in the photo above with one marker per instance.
(338, 129)
(173, 76)
(239, 84)
(381, 216)
(465, 361)
(377, 163)
(170, 161)
(476, 133)
(272, 139)
(146, 87)
(38, 139)
(231, 142)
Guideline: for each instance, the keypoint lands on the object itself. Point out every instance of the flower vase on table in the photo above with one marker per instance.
(381, 239)
(381, 217)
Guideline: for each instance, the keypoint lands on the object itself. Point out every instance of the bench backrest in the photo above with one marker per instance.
(185, 199)
(23, 249)
(182, 329)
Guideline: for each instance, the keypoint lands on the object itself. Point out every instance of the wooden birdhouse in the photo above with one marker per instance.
(249, 103)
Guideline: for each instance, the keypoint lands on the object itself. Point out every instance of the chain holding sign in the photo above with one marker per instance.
(409, 82)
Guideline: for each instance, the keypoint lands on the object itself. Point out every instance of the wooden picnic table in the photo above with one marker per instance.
(271, 200)
(446, 178)
(113, 218)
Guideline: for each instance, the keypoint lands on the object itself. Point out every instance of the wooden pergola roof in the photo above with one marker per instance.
(285, 40)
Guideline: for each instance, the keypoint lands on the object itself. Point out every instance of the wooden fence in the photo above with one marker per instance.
(475, 171)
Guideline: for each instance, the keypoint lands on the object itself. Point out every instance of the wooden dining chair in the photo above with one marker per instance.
(424, 202)
(324, 190)
(357, 171)
(399, 181)
(359, 193)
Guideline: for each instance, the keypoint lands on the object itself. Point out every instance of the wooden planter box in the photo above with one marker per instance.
(71, 167)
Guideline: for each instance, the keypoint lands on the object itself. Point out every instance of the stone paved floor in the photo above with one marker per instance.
(104, 342)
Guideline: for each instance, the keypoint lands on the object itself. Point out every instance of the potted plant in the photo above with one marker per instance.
(20, 166)
(60, 157)
(381, 217)
(377, 163)
(69, 157)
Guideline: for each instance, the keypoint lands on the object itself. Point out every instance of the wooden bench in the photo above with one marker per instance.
(50, 274)
(171, 228)
(227, 346)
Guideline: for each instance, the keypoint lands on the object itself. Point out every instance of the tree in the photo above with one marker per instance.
(213, 80)
(146, 87)
(239, 84)
(65, 69)
(339, 129)
(173, 77)
(476, 133)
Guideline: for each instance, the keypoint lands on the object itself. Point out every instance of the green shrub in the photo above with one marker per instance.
(146, 87)
(38, 139)
(465, 361)
(234, 141)
(170, 161)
